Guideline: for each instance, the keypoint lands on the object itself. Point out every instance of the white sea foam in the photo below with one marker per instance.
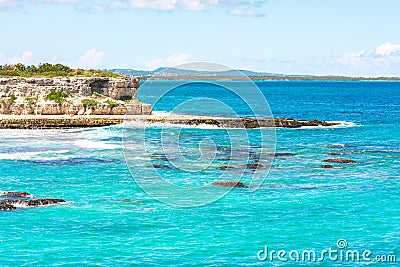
(42, 155)
(84, 143)
(142, 124)
(341, 124)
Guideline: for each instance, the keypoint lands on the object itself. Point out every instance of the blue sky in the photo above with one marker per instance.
(345, 37)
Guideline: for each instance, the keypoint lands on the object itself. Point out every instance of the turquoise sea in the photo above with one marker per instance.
(110, 221)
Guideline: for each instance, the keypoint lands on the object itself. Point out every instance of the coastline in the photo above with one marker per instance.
(87, 121)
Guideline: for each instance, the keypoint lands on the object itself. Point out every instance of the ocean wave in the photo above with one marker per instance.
(42, 155)
(84, 143)
(341, 124)
(142, 124)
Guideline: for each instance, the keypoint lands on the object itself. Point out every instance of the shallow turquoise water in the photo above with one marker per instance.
(109, 220)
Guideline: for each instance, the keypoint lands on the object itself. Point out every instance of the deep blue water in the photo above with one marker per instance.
(110, 220)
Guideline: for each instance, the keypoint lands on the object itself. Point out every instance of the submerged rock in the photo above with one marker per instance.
(225, 167)
(343, 161)
(326, 166)
(253, 166)
(12, 204)
(16, 194)
(230, 184)
(281, 154)
(165, 167)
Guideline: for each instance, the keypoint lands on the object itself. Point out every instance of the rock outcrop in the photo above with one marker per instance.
(16, 200)
(241, 122)
(343, 161)
(107, 96)
(230, 184)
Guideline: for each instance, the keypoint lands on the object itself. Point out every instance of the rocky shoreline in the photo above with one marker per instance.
(86, 121)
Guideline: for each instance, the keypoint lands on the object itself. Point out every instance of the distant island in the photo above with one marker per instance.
(185, 74)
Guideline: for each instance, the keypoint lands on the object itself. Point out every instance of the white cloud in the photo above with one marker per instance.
(388, 49)
(64, 1)
(195, 5)
(118, 4)
(90, 59)
(243, 11)
(383, 56)
(25, 58)
(7, 3)
(171, 61)
(153, 4)
(235, 7)
(247, 8)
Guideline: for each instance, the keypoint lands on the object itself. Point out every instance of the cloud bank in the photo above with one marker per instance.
(384, 57)
(245, 8)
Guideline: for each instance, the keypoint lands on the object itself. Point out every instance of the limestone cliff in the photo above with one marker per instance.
(80, 95)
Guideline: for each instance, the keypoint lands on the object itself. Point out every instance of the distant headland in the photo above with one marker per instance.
(235, 75)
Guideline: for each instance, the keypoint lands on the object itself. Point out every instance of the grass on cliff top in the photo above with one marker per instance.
(48, 70)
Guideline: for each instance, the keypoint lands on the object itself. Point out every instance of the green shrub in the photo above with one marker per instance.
(12, 99)
(31, 101)
(89, 103)
(112, 104)
(57, 96)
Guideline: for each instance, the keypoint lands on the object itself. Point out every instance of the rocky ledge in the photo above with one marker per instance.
(16, 200)
(238, 122)
(82, 121)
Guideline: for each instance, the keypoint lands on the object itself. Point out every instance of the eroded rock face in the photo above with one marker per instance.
(16, 200)
(25, 96)
(230, 184)
(116, 88)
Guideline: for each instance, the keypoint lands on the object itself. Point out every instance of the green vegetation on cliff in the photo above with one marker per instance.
(89, 103)
(49, 70)
(57, 96)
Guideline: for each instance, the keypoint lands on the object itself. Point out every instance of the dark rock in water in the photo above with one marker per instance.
(17, 200)
(6, 206)
(326, 166)
(12, 204)
(16, 194)
(253, 166)
(281, 154)
(44, 202)
(165, 166)
(225, 167)
(230, 184)
(159, 157)
(343, 161)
